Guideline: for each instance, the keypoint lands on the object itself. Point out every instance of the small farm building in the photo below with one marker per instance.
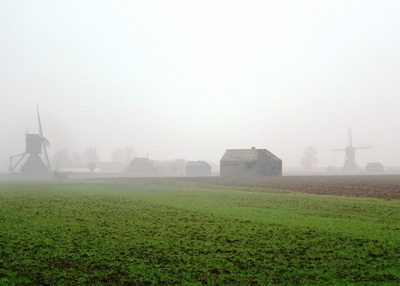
(198, 169)
(374, 167)
(250, 162)
(141, 165)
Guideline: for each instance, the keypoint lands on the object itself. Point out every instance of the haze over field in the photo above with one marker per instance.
(190, 79)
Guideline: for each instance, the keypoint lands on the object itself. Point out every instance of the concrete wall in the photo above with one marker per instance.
(198, 171)
(256, 168)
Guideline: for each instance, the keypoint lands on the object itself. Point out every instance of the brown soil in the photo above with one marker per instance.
(380, 186)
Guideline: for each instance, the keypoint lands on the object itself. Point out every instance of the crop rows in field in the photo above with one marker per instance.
(385, 186)
(137, 232)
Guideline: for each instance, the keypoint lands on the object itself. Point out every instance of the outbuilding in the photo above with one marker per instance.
(141, 165)
(198, 169)
(374, 167)
(250, 162)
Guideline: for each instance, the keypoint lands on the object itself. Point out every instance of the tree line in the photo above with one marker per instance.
(122, 155)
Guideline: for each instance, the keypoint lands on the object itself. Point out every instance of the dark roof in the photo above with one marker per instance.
(374, 164)
(248, 155)
(141, 161)
(197, 164)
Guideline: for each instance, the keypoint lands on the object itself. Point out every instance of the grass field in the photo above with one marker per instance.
(165, 231)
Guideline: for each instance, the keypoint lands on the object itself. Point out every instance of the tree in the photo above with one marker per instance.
(124, 155)
(117, 155)
(75, 157)
(60, 157)
(171, 166)
(90, 155)
(178, 165)
(309, 159)
(129, 154)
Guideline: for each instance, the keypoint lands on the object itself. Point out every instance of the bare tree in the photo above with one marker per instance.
(75, 157)
(124, 155)
(129, 154)
(177, 165)
(117, 155)
(309, 159)
(92, 158)
(60, 157)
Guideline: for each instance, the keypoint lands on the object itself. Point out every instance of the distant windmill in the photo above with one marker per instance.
(34, 143)
(350, 154)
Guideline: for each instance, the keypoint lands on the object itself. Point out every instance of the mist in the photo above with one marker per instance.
(176, 79)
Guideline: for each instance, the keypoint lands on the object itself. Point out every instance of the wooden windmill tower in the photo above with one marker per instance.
(34, 144)
(350, 154)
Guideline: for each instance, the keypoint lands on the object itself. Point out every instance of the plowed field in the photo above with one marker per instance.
(385, 186)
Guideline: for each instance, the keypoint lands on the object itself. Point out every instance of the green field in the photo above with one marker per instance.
(152, 232)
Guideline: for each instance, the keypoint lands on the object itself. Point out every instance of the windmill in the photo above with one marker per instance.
(34, 144)
(350, 154)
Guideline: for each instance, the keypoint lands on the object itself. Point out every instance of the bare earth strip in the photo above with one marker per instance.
(380, 186)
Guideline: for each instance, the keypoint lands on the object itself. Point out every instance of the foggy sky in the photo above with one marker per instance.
(190, 79)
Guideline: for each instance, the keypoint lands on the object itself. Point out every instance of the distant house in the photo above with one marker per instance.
(250, 162)
(198, 169)
(374, 167)
(141, 165)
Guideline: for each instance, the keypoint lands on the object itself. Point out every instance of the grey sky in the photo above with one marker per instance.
(190, 79)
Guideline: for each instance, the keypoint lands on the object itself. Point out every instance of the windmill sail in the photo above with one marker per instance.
(40, 124)
(350, 150)
(350, 139)
(35, 143)
(46, 142)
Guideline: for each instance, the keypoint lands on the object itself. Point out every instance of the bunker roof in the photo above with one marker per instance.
(197, 164)
(248, 155)
(141, 161)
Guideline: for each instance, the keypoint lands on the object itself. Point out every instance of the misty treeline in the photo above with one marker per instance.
(90, 156)
(309, 159)
(123, 156)
(65, 156)
(176, 166)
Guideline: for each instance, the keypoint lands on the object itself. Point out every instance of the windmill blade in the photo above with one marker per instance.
(46, 142)
(364, 147)
(20, 159)
(47, 156)
(40, 124)
(350, 139)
